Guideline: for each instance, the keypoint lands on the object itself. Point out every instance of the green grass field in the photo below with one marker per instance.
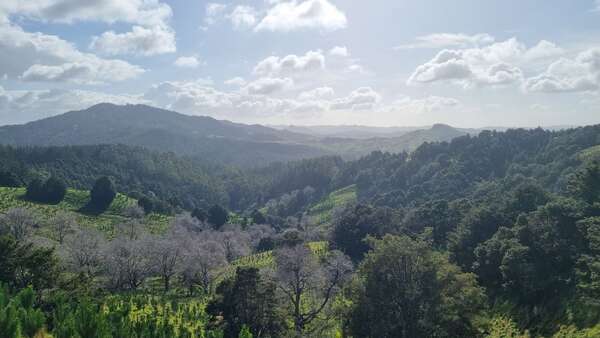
(265, 259)
(72, 203)
(322, 212)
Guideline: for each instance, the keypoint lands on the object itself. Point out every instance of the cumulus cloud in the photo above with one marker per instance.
(187, 62)
(268, 85)
(363, 98)
(298, 15)
(213, 12)
(36, 104)
(339, 51)
(42, 57)
(236, 81)
(150, 35)
(141, 12)
(139, 41)
(443, 40)
(291, 64)
(568, 75)
(317, 94)
(500, 63)
(446, 65)
(243, 17)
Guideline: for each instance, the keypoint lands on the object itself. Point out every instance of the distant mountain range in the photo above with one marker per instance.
(216, 140)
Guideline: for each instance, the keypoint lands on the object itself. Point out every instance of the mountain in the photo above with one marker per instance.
(163, 130)
(353, 148)
(219, 141)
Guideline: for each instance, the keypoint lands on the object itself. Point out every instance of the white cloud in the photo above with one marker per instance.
(139, 41)
(42, 57)
(273, 65)
(141, 12)
(446, 65)
(268, 85)
(36, 104)
(500, 63)
(364, 98)
(243, 17)
(236, 81)
(213, 12)
(568, 75)
(423, 105)
(297, 15)
(339, 51)
(316, 94)
(187, 62)
(442, 40)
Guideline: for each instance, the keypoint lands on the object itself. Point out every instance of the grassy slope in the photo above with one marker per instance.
(73, 201)
(265, 259)
(322, 212)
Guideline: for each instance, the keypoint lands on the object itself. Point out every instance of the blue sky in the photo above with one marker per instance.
(381, 62)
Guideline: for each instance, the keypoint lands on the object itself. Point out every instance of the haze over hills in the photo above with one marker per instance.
(217, 140)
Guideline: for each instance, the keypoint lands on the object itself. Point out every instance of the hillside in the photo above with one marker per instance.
(207, 138)
(74, 201)
(164, 130)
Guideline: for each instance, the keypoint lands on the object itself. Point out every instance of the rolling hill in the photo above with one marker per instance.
(208, 138)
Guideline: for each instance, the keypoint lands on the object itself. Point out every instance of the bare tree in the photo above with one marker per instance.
(85, 252)
(131, 229)
(186, 222)
(235, 241)
(257, 232)
(307, 284)
(201, 260)
(134, 211)
(127, 263)
(62, 224)
(166, 255)
(18, 222)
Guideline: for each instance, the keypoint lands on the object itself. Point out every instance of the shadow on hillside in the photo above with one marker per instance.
(92, 210)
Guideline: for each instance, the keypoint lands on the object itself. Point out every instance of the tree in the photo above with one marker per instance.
(217, 216)
(200, 214)
(18, 222)
(127, 263)
(62, 225)
(22, 264)
(166, 255)
(201, 259)
(54, 190)
(357, 222)
(85, 252)
(51, 191)
(35, 190)
(9, 179)
(307, 285)
(247, 300)
(102, 194)
(258, 217)
(134, 212)
(407, 290)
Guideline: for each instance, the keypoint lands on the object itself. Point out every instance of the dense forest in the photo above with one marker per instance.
(493, 235)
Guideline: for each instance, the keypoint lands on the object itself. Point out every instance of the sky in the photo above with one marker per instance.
(467, 63)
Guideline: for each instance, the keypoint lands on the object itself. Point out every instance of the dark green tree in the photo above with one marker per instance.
(200, 214)
(54, 190)
(356, 223)
(217, 216)
(35, 190)
(22, 264)
(102, 194)
(247, 300)
(407, 290)
(258, 217)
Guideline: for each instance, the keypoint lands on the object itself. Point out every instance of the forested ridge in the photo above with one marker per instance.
(494, 235)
